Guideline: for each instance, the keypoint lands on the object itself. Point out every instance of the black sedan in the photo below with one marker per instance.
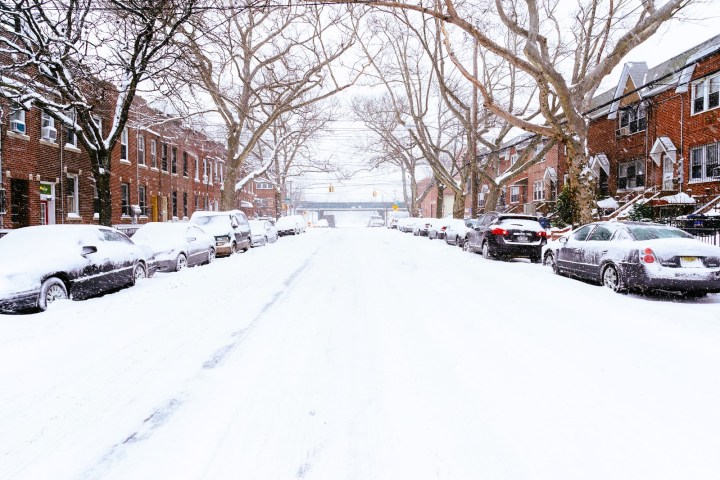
(639, 256)
(41, 264)
(507, 235)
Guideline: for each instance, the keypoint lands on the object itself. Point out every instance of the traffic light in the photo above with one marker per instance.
(331, 189)
(374, 193)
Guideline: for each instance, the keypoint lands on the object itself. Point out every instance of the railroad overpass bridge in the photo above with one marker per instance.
(336, 213)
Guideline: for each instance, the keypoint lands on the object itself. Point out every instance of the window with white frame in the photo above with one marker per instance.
(264, 186)
(514, 194)
(141, 149)
(71, 196)
(125, 199)
(70, 135)
(197, 169)
(210, 173)
(631, 174)
(153, 153)
(633, 119)
(124, 145)
(514, 158)
(47, 129)
(173, 161)
(706, 94)
(539, 190)
(221, 172)
(205, 174)
(704, 163)
(17, 121)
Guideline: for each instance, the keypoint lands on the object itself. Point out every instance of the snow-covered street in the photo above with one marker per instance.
(367, 354)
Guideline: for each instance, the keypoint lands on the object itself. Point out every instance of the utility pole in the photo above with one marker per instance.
(474, 176)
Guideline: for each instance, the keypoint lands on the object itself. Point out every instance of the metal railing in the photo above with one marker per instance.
(705, 229)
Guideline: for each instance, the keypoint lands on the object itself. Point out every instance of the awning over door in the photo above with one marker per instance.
(599, 161)
(550, 175)
(663, 145)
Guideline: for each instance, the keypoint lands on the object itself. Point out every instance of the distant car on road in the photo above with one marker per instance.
(507, 235)
(438, 227)
(41, 264)
(376, 222)
(640, 256)
(262, 232)
(176, 245)
(231, 234)
(290, 225)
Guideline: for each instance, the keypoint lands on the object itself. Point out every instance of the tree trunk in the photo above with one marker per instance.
(101, 174)
(577, 160)
(492, 197)
(228, 198)
(459, 205)
(440, 201)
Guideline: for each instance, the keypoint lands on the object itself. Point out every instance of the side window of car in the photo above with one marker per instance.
(581, 234)
(621, 234)
(601, 233)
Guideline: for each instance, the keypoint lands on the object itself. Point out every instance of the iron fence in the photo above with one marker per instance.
(705, 229)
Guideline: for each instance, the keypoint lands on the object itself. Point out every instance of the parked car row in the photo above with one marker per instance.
(89, 260)
(621, 255)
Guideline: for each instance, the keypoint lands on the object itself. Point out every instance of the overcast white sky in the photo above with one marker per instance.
(699, 23)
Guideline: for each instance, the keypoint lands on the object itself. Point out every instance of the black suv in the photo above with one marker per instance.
(507, 235)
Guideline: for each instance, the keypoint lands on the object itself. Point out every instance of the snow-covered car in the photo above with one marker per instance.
(322, 223)
(406, 224)
(438, 227)
(262, 232)
(290, 225)
(422, 226)
(230, 234)
(640, 256)
(549, 250)
(507, 235)
(176, 245)
(376, 222)
(41, 264)
(457, 231)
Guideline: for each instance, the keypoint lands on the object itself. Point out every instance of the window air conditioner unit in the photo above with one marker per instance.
(624, 131)
(17, 126)
(49, 133)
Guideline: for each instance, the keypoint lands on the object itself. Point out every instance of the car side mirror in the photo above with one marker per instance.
(88, 250)
(563, 240)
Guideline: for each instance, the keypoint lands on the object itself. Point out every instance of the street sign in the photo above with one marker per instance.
(395, 207)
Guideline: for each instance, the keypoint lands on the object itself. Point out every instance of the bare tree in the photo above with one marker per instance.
(600, 33)
(257, 62)
(69, 58)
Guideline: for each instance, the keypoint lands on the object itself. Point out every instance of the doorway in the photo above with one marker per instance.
(19, 203)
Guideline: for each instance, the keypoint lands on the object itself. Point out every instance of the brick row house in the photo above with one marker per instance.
(159, 173)
(654, 137)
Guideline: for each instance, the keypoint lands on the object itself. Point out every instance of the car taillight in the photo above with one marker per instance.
(443, 228)
(648, 256)
(499, 231)
(542, 233)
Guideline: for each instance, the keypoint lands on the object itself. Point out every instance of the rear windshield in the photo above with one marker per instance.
(211, 220)
(641, 232)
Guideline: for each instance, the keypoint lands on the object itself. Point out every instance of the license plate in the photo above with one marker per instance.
(690, 262)
(521, 238)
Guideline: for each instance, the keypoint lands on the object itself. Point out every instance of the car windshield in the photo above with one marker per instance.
(642, 232)
(210, 219)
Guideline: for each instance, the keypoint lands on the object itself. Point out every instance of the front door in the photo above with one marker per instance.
(43, 212)
(19, 203)
(668, 173)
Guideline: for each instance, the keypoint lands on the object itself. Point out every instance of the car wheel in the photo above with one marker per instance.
(486, 250)
(51, 289)
(139, 272)
(466, 246)
(211, 255)
(535, 259)
(234, 248)
(549, 260)
(265, 242)
(181, 262)
(611, 278)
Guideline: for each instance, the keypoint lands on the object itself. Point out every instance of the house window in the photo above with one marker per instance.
(631, 175)
(142, 201)
(514, 194)
(125, 199)
(210, 172)
(47, 131)
(17, 121)
(539, 190)
(141, 149)
(153, 153)
(96, 201)
(174, 203)
(185, 204)
(513, 159)
(704, 164)
(164, 158)
(706, 94)
(71, 196)
(263, 186)
(124, 145)
(197, 169)
(185, 164)
(173, 160)
(205, 175)
(633, 119)
(197, 201)
(70, 135)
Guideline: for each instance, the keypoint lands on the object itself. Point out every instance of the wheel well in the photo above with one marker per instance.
(60, 275)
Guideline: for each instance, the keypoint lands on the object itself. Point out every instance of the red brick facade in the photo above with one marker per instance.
(167, 170)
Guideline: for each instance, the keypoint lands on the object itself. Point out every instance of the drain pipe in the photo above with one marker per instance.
(2, 184)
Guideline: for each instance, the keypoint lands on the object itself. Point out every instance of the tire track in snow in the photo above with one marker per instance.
(162, 414)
